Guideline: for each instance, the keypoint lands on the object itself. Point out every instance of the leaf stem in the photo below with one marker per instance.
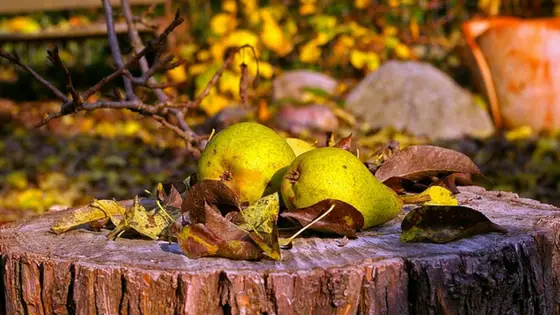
(286, 242)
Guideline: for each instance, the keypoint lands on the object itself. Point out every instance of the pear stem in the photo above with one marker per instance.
(286, 242)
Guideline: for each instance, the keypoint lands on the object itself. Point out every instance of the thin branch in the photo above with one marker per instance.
(219, 73)
(54, 57)
(115, 49)
(14, 58)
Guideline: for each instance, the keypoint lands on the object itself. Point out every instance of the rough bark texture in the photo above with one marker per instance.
(81, 272)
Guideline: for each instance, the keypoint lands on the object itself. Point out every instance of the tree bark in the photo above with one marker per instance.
(81, 272)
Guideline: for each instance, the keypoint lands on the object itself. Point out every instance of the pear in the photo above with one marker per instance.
(299, 146)
(333, 173)
(246, 156)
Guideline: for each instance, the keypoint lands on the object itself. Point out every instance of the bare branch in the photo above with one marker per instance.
(54, 57)
(115, 49)
(219, 73)
(14, 58)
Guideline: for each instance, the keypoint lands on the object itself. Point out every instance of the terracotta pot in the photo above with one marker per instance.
(518, 61)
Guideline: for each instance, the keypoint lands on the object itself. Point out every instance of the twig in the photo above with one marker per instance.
(14, 58)
(115, 49)
(54, 57)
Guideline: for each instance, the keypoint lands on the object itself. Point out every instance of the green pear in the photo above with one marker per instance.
(246, 156)
(332, 173)
(299, 146)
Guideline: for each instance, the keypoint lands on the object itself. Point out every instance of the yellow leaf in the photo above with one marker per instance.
(361, 60)
(214, 103)
(342, 45)
(273, 37)
(178, 74)
(310, 52)
(242, 37)
(17, 180)
(519, 133)
(265, 70)
(490, 7)
(361, 4)
(414, 28)
(23, 24)
(402, 51)
(307, 8)
(229, 6)
(390, 31)
(229, 82)
(222, 23)
(203, 55)
(440, 196)
(357, 30)
(197, 69)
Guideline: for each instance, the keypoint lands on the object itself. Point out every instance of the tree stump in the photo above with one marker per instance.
(81, 272)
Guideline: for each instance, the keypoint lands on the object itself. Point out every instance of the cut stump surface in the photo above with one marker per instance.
(81, 272)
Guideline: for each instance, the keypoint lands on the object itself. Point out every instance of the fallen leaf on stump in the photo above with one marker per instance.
(420, 161)
(198, 241)
(443, 224)
(260, 220)
(212, 192)
(217, 237)
(96, 210)
(344, 220)
(138, 219)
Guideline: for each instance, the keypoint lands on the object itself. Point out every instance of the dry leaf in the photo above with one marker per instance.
(212, 192)
(344, 220)
(260, 220)
(344, 143)
(416, 162)
(442, 224)
(96, 210)
(138, 219)
(198, 240)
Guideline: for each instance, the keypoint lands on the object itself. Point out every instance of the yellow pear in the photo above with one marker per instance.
(332, 173)
(299, 146)
(246, 157)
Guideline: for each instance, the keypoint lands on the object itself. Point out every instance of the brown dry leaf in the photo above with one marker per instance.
(344, 143)
(419, 161)
(442, 224)
(344, 220)
(198, 240)
(217, 237)
(453, 180)
(212, 192)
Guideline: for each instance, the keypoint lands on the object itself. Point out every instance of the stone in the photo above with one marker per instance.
(419, 98)
(291, 84)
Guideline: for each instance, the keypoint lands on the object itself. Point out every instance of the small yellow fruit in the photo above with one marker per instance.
(299, 146)
(332, 173)
(248, 157)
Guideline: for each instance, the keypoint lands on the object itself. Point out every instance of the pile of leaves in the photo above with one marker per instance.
(207, 218)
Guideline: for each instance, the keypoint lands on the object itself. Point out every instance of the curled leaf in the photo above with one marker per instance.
(198, 240)
(212, 192)
(443, 224)
(96, 210)
(344, 143)
(420, 161)
(456, 179)
(344, 220)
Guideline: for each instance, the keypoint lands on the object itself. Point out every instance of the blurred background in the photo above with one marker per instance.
(410, 57)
